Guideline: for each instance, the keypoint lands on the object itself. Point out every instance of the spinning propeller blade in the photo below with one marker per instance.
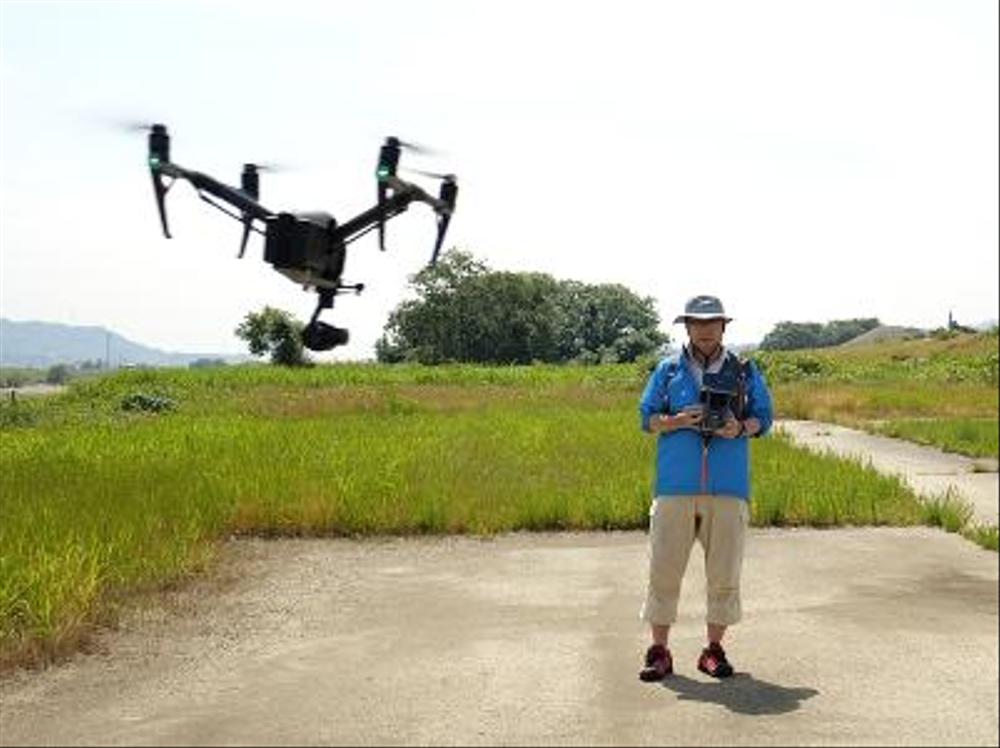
(423, 150)
(432, 174)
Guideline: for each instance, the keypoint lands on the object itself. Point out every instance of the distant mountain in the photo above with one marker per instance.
(44, 344)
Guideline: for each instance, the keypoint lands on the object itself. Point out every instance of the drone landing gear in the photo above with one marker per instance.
(319, 336)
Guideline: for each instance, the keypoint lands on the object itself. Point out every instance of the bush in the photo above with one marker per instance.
(141, 401)
(58, 374)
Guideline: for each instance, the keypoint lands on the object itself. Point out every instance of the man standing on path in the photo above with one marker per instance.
(703, 404)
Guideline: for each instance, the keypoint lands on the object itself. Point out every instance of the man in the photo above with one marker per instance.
(703, 404)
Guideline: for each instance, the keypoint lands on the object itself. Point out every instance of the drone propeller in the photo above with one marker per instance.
(388, 162)
(417, 148)
(269, 166)
(129, 125)
(432, 174)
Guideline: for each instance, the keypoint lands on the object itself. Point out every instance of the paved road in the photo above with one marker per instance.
(928, 470)
(851, 637)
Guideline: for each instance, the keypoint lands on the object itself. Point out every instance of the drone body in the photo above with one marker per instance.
(301, 247)
(308, 248)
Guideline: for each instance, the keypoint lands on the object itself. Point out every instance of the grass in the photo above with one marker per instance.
(942, 393)
(976, 437)
(97, 501)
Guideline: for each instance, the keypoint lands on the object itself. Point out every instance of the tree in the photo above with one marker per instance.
(607, 322)
(467, 312)
(794, 335)
(275, 332)
(58, 374)
(206, 363)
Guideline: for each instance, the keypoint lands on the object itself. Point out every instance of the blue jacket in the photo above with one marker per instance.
(684, 463)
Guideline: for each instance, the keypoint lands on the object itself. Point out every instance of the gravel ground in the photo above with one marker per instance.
(852, 637)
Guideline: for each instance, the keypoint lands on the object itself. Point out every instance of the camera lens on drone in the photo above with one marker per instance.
(319, 336)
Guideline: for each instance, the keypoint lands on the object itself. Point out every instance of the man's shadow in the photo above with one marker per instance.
(740, 693)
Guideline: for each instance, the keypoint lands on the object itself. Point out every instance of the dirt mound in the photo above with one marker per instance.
(883, 333)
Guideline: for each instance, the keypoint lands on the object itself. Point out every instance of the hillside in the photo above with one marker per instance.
(884, 333)
(44, 344)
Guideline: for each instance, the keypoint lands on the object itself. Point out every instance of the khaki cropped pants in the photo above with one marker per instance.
(719, 524)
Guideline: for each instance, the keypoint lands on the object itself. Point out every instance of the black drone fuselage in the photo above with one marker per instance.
(304, 249)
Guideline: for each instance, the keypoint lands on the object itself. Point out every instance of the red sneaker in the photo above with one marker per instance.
(713, 661)
(659, 664)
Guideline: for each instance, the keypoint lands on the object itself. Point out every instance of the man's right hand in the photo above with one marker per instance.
(686, 419)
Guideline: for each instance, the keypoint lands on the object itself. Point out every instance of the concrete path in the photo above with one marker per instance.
(31, 390)
(851, 637)
(928, 470)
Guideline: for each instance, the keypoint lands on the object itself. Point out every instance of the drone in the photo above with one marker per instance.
(309, 248)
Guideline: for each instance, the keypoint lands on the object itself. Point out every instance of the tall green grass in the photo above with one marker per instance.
(977, 437)
(938, 392)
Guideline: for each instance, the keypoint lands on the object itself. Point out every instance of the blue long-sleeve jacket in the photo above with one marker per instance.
(685, 465)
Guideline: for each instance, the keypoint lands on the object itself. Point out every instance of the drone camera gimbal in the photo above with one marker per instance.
(308, 248)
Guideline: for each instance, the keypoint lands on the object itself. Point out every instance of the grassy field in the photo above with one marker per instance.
(128, 482)
(938, 392)
(976, 437)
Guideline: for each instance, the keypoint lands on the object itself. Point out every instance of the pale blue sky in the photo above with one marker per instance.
(804, 160)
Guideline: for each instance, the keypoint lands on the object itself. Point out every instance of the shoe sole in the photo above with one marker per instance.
(719, 676)
(654, 678)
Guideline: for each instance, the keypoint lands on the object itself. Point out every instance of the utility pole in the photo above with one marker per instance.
(107, 350)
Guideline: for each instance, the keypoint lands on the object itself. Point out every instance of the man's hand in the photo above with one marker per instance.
(686, 419)
(731, 430)
(689, 418)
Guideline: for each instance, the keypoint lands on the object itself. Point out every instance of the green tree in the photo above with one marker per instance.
(206, 363)
(58, 374)
(275, 332)
(795, 335)
(466, 312)
(606, 322)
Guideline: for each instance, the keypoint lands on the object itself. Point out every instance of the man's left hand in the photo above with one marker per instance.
(731, 430)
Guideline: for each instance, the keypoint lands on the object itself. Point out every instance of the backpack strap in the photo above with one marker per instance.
(741, 385)
(669, 372)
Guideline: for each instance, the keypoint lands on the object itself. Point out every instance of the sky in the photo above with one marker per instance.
(805, 161)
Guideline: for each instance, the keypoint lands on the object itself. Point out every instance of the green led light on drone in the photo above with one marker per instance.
(383, 172)
(154, 161)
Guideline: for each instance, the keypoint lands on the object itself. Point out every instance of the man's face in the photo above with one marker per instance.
(706, 334)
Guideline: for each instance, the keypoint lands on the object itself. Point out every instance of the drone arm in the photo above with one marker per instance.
(234, 197)
(414, 192)
(403, 194)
